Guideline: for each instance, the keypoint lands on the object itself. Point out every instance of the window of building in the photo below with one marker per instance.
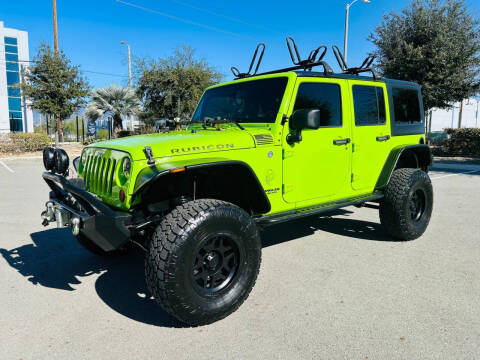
(406, 105)
(322, 96)
(12, 66)
(11, 57)
(11, 49)
(16, 124)
(10, 40)
(14, 104)
(12, 78)
(369, 105)
(13, 91)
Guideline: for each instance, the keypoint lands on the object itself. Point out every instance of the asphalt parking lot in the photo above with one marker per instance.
(330, 287)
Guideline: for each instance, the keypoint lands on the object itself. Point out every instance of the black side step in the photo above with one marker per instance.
(268, 220)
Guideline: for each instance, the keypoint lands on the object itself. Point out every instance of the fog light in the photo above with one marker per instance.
(48, 158)
(61, 162)
(122, 195)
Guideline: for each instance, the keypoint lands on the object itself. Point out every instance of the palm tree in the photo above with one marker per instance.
(114, 100)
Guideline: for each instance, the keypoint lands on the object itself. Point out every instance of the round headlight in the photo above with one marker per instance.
(126, 167)
(61, 161)
(48, 158)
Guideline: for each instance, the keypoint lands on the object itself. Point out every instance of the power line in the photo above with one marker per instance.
(208, 27)
(225, 17)
(81, 70)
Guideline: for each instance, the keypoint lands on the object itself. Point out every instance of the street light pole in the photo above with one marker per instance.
(129, 64)
(345, 39)
(59, 134)
(129, 76)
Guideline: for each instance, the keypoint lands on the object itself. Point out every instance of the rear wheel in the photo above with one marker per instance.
(203, 260)
(407, 207)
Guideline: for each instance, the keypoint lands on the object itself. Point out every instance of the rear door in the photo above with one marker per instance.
(371, 132)
(317, 168)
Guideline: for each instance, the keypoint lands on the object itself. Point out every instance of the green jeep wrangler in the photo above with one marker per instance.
(259, 150)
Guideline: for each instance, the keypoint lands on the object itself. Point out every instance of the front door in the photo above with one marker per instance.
(371, 132)
(317, 168)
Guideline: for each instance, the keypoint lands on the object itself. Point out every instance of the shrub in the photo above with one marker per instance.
(23, 142)
(102, 134)
(463, 142)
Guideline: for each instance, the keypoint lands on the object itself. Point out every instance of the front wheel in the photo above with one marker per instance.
(203, 260)
(407, 207)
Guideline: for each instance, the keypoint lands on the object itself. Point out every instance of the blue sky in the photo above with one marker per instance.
(90, 31)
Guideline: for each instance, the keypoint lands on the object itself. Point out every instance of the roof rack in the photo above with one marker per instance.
(365, 67)
(240, 75)
(314, 59)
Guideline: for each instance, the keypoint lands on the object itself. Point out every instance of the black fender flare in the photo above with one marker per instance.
(421, 151)
(148, 177)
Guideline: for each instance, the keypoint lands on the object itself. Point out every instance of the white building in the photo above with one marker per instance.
(14, 114)
(448, 118)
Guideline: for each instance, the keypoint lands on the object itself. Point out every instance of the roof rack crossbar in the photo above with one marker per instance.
(365, 67)
(327, 70)
(312, 57)
(240, 75)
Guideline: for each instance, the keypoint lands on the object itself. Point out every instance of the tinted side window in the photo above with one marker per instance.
(325, 97)
(406, 105)
(369, 104)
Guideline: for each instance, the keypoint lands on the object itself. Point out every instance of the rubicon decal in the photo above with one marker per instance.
(201, 148)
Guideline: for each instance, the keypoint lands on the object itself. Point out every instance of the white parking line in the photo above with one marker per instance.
(444, 176)
(6, 167)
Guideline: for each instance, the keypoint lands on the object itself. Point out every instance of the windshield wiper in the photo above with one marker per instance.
(219, 120)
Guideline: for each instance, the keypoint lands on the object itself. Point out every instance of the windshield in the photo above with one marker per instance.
(256, 101)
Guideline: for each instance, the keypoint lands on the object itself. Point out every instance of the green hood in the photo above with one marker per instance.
(183, 142)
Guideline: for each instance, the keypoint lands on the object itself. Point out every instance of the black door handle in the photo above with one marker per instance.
(383, 138)
(341, 142)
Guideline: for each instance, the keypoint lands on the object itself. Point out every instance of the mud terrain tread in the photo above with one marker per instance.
(167, 239)
(392, 215)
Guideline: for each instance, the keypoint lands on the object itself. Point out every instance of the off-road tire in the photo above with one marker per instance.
(173, 250)
(396, 214)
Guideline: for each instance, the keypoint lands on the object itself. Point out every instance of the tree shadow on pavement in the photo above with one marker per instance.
(56, 260)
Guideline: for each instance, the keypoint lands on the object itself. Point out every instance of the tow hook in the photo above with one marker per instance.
(48, 215)
(75, 226)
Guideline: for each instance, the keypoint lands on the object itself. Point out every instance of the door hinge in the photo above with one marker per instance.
(351, 178)
(353, 147)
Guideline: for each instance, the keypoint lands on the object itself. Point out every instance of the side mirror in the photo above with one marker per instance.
(300, 120)
(305, 119)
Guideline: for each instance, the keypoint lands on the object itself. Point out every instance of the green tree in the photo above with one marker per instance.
(434, 43)
(54, 86)
(115, 101)
(171, 87)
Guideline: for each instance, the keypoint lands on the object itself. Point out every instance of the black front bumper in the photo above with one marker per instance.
(103, 226)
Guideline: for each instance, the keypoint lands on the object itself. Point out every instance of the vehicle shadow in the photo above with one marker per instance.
(358, 229)
(54, 259)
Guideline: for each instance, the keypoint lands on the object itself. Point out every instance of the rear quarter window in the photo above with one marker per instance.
(406, 105)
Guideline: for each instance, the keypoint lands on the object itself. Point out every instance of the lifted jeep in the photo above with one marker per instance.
(259, 150)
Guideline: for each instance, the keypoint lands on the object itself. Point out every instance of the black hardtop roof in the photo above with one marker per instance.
(392, 82)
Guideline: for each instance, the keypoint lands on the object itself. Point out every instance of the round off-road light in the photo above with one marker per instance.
(126, 167)
(48, 158)
(61, 161)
